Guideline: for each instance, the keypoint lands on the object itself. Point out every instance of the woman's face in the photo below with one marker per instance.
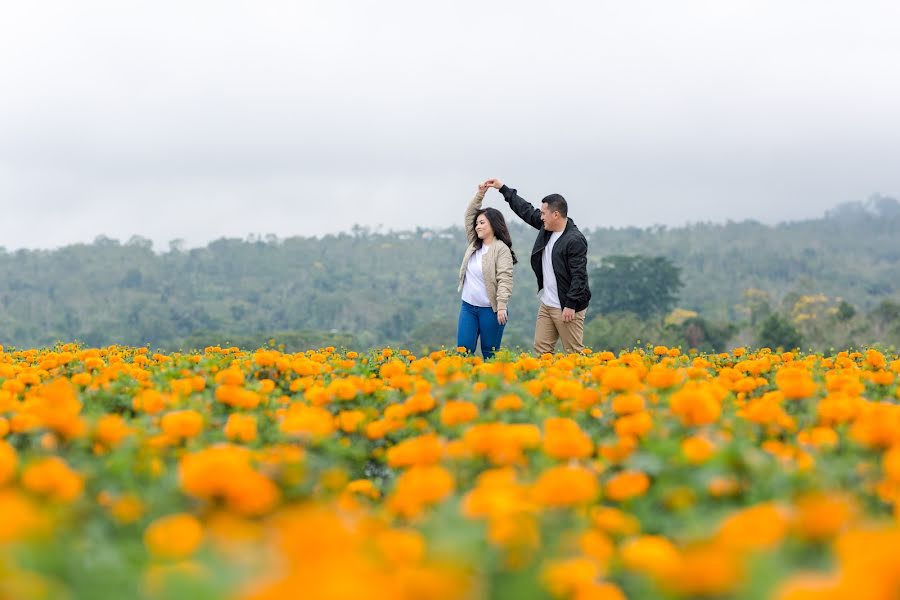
(483, 227)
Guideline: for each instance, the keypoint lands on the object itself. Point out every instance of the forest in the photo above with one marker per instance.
(816, 284)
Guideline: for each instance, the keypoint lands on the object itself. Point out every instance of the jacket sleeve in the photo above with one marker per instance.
(473, 207)
(579, 292)
(526, 211)
(504, 277)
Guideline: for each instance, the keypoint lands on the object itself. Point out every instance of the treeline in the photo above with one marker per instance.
(835, 280)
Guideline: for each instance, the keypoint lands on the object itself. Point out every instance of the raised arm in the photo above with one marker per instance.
(473, 207)
(526, 211)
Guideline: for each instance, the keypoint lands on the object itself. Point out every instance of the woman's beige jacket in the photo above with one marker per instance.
(497, 263)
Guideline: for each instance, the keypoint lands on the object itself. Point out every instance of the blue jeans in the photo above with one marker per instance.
(475, 322)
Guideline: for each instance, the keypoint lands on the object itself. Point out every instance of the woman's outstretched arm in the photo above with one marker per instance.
(473, 207)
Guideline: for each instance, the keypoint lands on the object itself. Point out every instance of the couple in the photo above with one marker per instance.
(559, 261)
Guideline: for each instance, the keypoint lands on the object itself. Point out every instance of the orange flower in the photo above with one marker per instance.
(695, 404)
(224, 472)
(19, 517)
(182, 424)
(457, 412)
(509, 402)
(627, 485)
(111, 430)
(614, 521)
(795, 383)
(564, 439)
(697, 449)
(565, 486)
(423, 450)
(621, 379)
(58, 407)
(240, 427)
(174, 537)
(503, 444)
(704, 571)
(638, 425)
(349, 420)
(127, 509)
(52, 477)
(419, 487)
(821, 516)
(565, 578)
(758, 527)
(8, 462)
(149, 401)
(307, 421)
(651, 554)
(625, 404)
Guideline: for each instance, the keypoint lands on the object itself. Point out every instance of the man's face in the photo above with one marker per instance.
(549, 217)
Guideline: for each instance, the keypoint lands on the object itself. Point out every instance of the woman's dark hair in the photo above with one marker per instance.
(498, 224)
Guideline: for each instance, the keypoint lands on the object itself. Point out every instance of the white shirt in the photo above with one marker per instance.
(474, 292)
(550, 295)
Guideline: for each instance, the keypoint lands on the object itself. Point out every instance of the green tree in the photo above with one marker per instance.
(644, 285)
(778, 332)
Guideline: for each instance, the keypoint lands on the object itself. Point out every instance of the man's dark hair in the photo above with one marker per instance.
(558, 203)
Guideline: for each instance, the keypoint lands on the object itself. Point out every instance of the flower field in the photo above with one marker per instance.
(330, 474)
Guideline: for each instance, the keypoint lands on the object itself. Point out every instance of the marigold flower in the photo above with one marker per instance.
(626, 404)
(174, 537)
(111, 430)
(420, 487)
(510, 402)
(422, 450)
(311, 421)
(757, 527)
(637, 425)
(8, 462)
(565, 485)
(53, 478)
(182, 424)
(627, 485)
(621, 379)
(564, 439)
(364, 487)
(127, 509)
(704, 570)
(401, 547)
(614, 521)
(149, 401)
(241, 428)
(697, 449)
(224, 472)
(651, 554)
(695, 404)
(19, 517)
(819, 516)
(795, 383)
(565, 578)
(457, 412)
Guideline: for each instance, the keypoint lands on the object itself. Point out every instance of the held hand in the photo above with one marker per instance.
(501, 316)
(483, 187)
(568, 315)
(494, 183)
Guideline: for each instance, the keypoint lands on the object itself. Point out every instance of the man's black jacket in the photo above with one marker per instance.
(569, 255)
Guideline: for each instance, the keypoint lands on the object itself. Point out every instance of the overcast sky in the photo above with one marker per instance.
(198, 120)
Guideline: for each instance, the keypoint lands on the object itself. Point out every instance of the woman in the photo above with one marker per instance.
(485, 278)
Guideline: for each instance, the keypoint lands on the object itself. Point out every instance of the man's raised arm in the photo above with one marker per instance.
(526, 211)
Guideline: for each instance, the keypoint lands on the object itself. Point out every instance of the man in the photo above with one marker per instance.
(559, 261)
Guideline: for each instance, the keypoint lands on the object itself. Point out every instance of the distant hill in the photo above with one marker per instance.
(365, 288)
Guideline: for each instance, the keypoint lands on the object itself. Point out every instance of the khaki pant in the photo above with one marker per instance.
(551, 327)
